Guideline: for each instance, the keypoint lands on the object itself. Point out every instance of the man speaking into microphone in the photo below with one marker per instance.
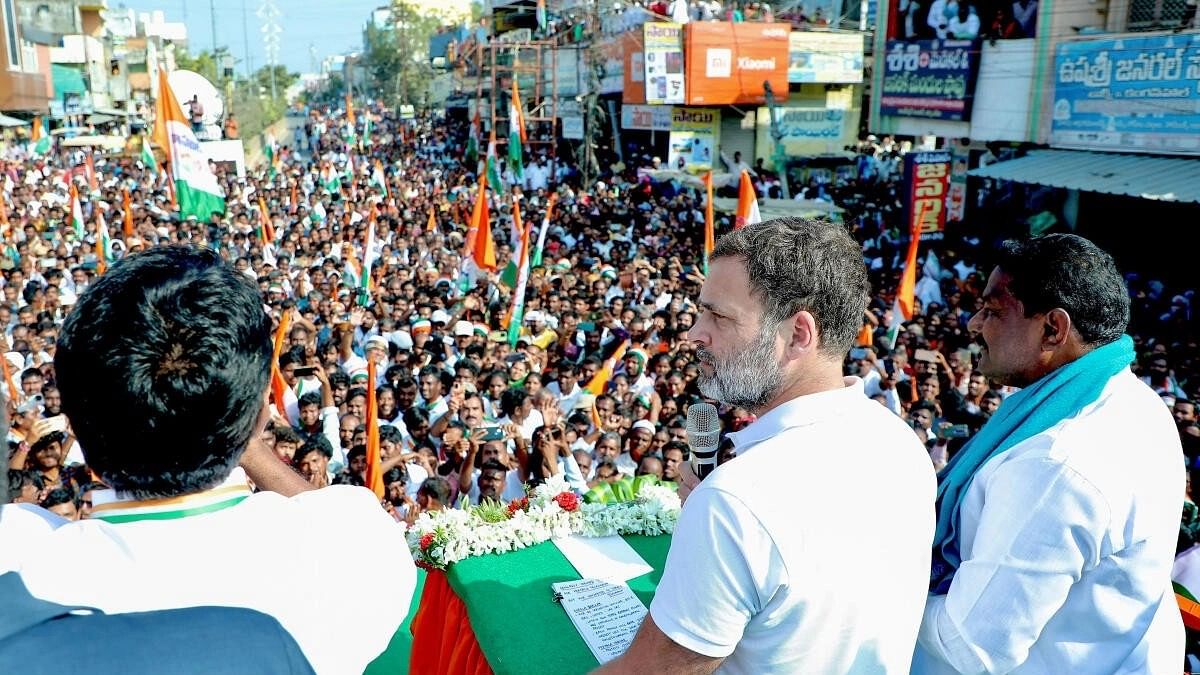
(808, 552)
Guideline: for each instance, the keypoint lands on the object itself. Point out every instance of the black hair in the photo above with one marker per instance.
(162, 367)
(338, 378)
(287, 435)
(313, 444)
(31, 373)
(57, 496)
(1069, 272)
(493, 465)
(436, 487)
(390, 433)
(414, 416)
(512, 399)
(356, 391)
(311, 398)
(356, 451)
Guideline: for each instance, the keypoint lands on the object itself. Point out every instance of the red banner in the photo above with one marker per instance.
(727, 63)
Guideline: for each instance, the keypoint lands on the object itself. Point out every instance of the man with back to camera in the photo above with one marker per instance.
(164, 368)
(1057, 523)
(773, 567)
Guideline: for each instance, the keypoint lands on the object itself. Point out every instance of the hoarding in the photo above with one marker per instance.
(633, 89)
(927, 179)
(929, 78)
(727, 63)
(1132, 94)
(646, 117)
(664, 63)
(695, 138)
(825, 57)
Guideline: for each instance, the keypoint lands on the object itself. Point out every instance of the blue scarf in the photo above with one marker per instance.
(1027, 413)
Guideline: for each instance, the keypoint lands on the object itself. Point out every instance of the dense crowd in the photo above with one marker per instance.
(598, 379)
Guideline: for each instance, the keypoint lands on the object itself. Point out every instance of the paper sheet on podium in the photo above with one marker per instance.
(607, 615)
(607, 558)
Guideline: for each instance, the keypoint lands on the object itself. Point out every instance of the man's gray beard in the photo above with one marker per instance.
(747, 379)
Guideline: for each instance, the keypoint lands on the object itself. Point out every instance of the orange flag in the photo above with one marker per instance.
(431, 226)
(127, 205)
(278, 386)
(4, 216)
(480, 244)
(374, 477)
(268, 230)
(599, 381)
(295, 199)
(709, 234)
(350, 110)
(93, 183)
(12, 388)
(747, 208)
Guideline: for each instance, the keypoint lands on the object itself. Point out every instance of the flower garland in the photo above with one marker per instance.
(442, 538)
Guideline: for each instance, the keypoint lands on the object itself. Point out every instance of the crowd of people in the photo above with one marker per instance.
(594, 384)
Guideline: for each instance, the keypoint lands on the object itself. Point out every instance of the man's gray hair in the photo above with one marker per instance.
(799, 264)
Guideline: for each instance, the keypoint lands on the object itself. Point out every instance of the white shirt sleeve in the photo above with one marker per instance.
(721, 571)
(572, 473)
(331, 430)
(1042, 526)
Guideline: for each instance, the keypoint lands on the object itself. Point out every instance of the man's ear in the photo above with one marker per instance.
(1056, 328)
(804, 336)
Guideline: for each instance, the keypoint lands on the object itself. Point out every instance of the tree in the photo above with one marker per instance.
(204, 62)
(283, 79)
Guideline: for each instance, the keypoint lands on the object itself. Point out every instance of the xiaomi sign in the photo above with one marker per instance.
(727, 63)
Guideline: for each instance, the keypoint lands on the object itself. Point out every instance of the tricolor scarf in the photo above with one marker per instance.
(1058, 396)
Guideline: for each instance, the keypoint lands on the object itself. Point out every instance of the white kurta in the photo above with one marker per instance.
(1067, 544)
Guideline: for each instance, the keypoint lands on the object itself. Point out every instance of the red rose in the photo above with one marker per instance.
(426, 541)
(568, 501)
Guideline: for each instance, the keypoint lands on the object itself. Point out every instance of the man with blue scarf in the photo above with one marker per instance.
(1057, 523)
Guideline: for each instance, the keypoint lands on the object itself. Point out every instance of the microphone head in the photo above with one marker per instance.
(703, 426)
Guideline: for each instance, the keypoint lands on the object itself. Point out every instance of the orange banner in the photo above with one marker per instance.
(632, 46)
(727, 63)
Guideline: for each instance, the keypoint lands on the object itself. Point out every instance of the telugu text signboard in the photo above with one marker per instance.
(927, 175)
(695, 138)
(1133, 94)
(929, 78)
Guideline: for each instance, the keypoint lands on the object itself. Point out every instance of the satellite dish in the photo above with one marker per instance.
(186, 84)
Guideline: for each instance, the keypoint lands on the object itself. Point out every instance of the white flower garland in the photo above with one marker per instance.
(442, 538)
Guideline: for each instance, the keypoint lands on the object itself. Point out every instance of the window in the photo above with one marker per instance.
(29, 57)
(9, 19)
(1147, 15)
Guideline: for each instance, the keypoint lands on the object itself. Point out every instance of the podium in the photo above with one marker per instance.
(497, 613)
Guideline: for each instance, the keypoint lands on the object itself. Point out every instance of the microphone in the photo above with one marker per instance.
(704, 436)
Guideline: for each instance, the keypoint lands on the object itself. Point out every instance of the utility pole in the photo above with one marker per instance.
(246, 40)
(269, 14)
(212, 14)
(778, 156)
(591, 167)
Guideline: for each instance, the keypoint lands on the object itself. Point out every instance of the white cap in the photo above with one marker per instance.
(463, 328)
(439, 316)
(377, 342)
(402, 340)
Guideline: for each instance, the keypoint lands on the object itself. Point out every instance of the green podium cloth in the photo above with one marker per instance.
(519, 626)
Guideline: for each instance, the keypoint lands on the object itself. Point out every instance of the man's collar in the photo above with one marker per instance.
(118, 507)
(798, 412)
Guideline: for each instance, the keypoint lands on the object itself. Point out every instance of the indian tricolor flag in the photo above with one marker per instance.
(493, 164)
(471, 156)
(76, 214)
(541, 242)
(481, 248)
(39, 137)
(516, 312)
(541, 15)
(516, 134)
(902, 306)
(364, 287)
(378, 179)
(103, 243)
(747, 207)
(147, 156)
(196, 188)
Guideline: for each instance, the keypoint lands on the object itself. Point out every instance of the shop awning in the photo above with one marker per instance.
(6, 121)
(1169, 179)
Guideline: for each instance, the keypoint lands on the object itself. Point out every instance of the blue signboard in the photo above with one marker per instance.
(929, 78)
(1134, 94)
